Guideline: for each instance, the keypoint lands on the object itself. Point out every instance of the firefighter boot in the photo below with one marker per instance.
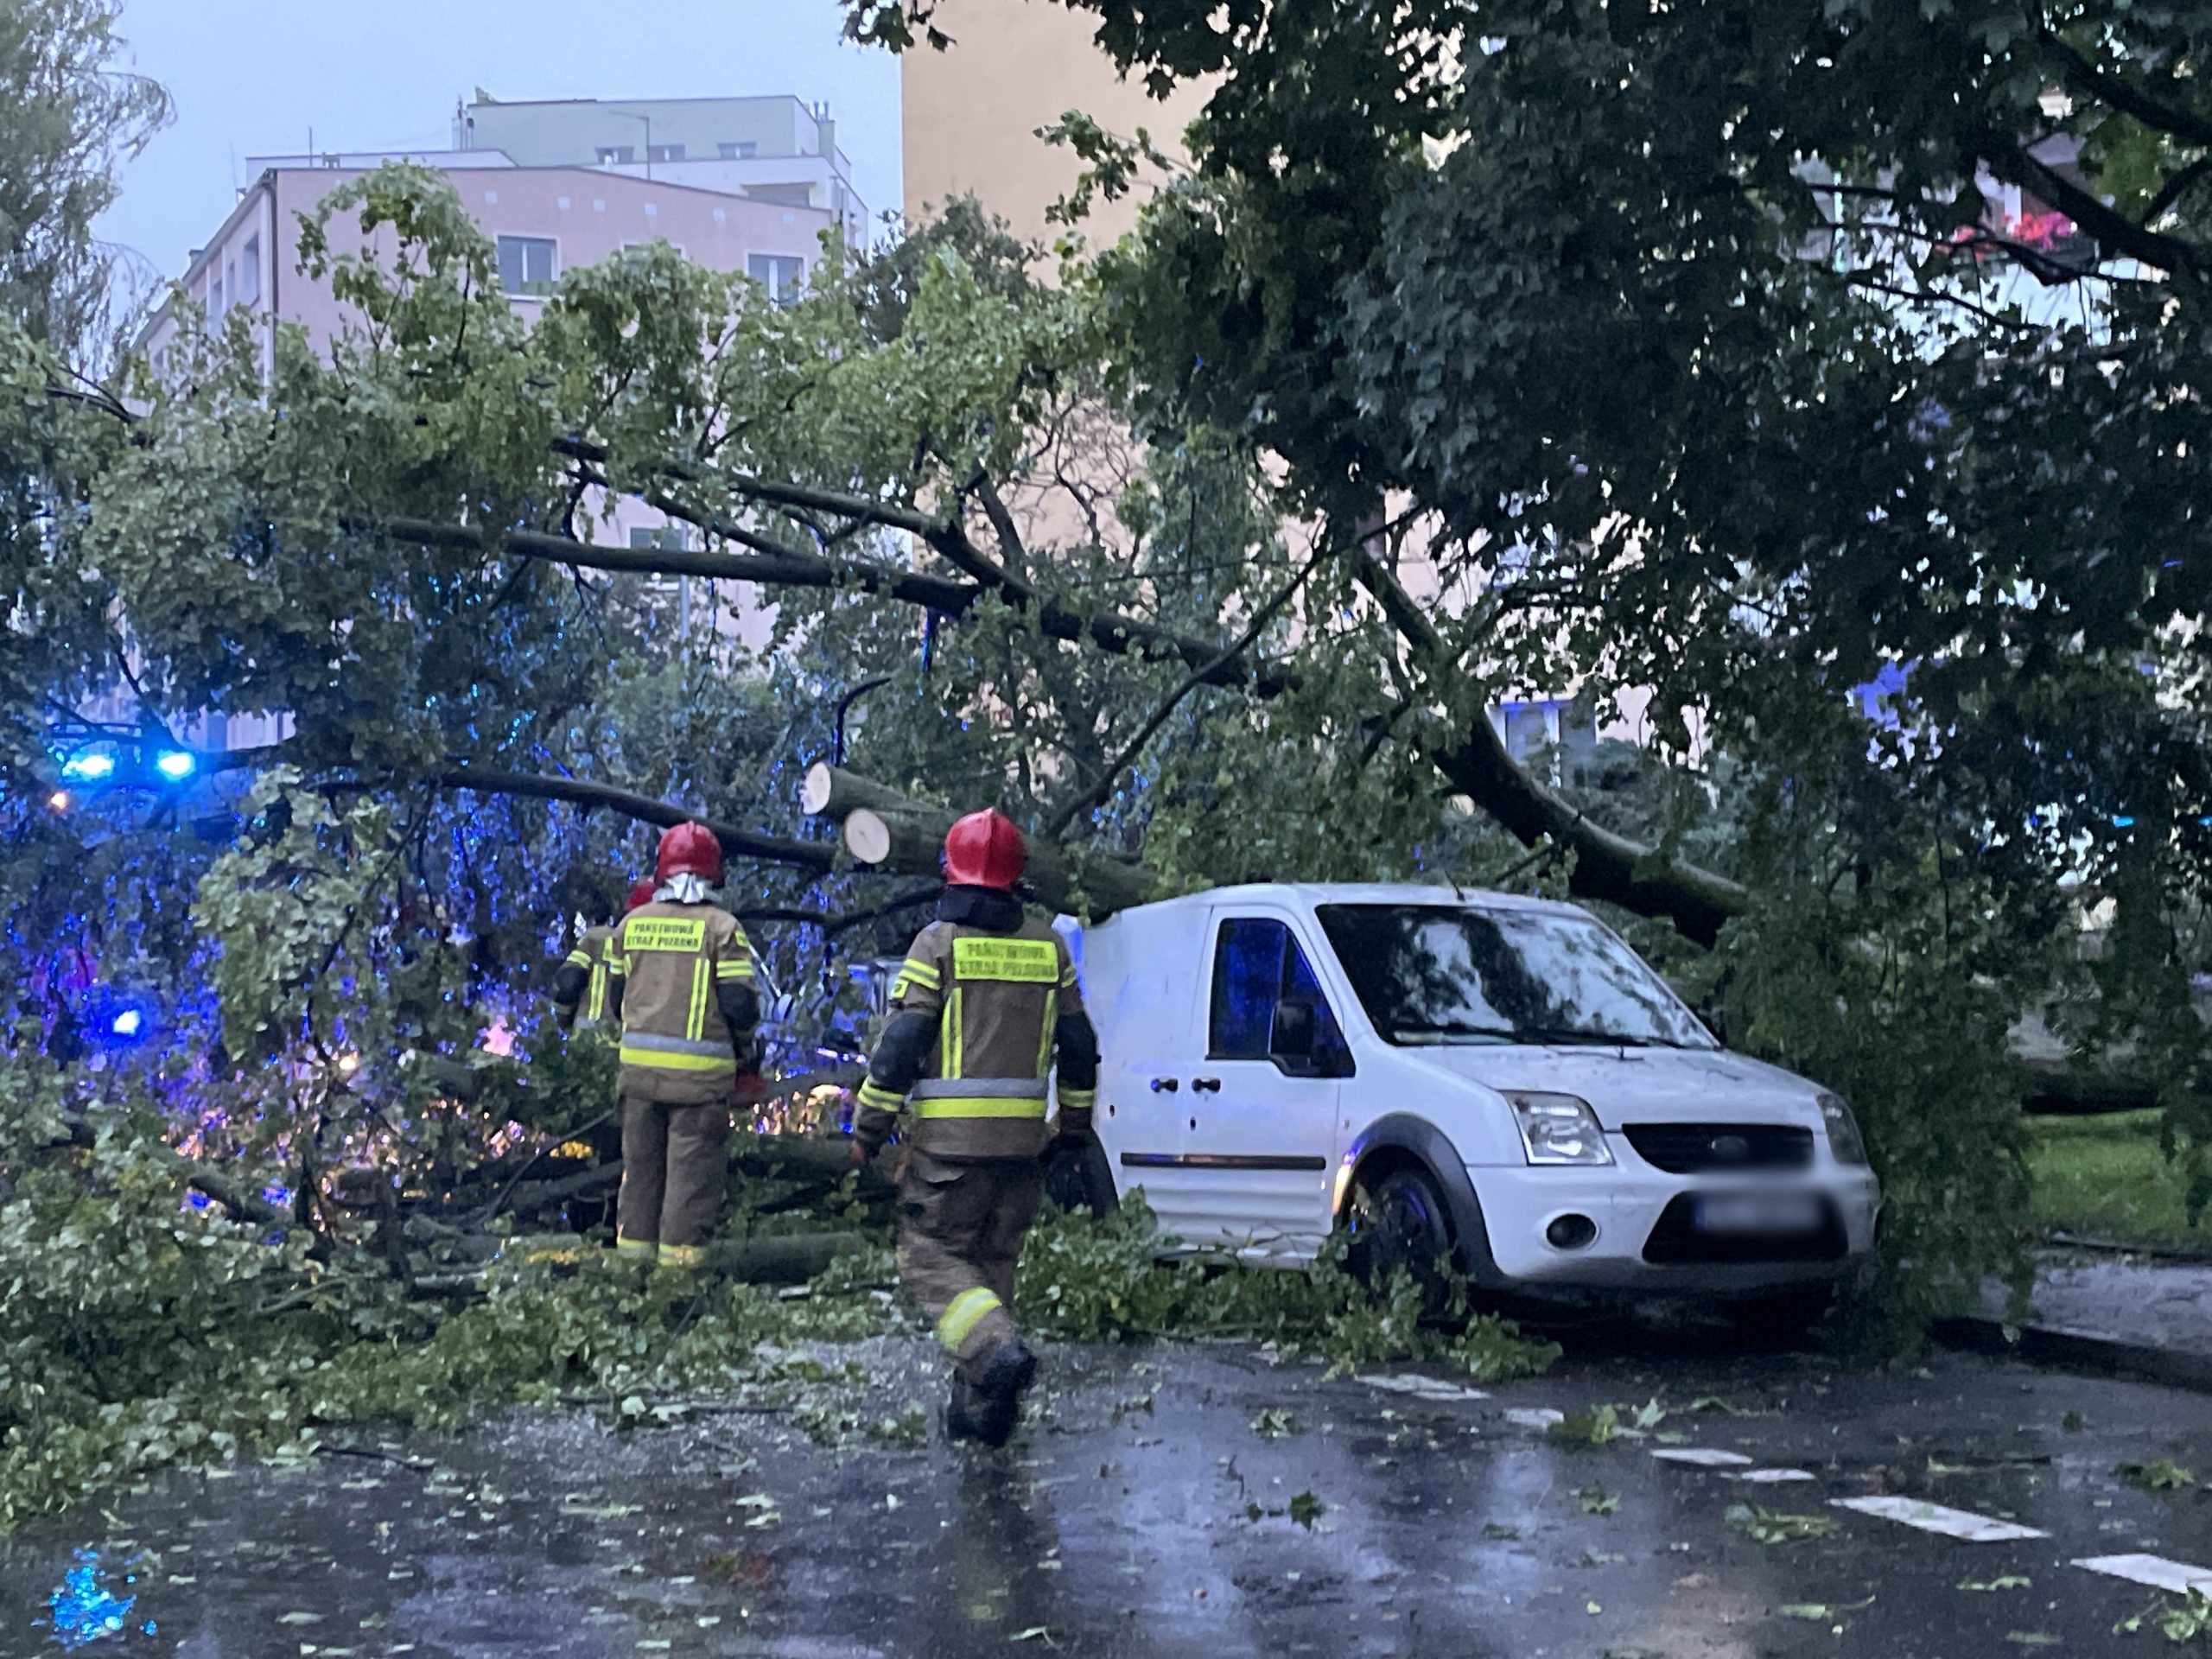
(961, 1418)
(1006, 1377)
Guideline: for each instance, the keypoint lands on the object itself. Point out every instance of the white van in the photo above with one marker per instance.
(1447, 1073)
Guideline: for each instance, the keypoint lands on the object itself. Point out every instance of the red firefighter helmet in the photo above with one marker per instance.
(689, 849)
(984, 850)
(641, 893)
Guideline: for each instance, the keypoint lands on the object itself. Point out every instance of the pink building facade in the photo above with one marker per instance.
(542, 221)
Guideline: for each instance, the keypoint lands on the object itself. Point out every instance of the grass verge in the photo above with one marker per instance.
(2106, 1178)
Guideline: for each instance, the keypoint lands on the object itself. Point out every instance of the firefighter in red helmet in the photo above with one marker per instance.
(985, 1004)
(580, 983)
(680, 982)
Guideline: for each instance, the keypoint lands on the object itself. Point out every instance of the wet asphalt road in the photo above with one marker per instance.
(1143, 1513)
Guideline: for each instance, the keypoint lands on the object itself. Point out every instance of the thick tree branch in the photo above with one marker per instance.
(770, 570)
(2128, 99)
(819, 857)
(1122, 636)
(1607, 867)
(2115, 230)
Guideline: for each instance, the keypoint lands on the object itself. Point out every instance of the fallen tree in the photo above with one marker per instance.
(888, 831)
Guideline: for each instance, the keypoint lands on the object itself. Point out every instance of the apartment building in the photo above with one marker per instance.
(543, 220)
(775, 150)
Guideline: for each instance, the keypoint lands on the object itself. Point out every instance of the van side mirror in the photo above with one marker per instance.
(1296, 1034)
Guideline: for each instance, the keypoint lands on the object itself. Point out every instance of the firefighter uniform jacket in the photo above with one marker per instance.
(1001, 1001)
(580, 984)
(680, 979)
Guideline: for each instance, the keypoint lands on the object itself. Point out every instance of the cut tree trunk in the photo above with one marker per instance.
(888, 831)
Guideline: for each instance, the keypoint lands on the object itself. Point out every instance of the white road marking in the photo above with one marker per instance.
(1428, 1388)
(1934, 1517)
(1771, 1477)
(2154, 1570)
(1534, 1417)
(1704, 1457)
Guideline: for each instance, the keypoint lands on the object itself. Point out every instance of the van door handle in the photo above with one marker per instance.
(1206, 1085)
(1165, 1085)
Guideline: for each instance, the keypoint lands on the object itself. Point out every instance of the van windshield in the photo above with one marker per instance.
(1437, 974)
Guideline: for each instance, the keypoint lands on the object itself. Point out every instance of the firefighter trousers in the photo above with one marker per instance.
(675, 1172)
(960, 1226)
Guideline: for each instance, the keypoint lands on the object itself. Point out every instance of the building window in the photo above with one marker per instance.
(616, 154)
(214, 293)
(744, 150)
(247, 288)
(780, 273)
(665, 152)
(528, 265)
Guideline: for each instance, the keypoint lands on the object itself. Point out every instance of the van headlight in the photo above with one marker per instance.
(1559, 1129)
(1845, 1144)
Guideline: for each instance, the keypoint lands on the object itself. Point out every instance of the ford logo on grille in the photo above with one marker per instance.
(1730, 1148)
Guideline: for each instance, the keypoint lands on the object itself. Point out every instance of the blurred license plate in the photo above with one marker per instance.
(1759, 1213)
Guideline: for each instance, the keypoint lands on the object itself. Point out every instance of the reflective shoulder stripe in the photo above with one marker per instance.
(579, 959)
(733, 971)
(921, 973)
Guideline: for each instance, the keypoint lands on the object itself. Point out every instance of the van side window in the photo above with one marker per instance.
(1256, 963)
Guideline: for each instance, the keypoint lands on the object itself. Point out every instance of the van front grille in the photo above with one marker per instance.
(1710, 1148)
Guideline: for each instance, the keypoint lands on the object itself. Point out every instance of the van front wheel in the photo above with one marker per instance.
(1399, 1222)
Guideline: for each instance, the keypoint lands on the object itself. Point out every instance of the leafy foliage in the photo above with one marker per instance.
(1087, 1280)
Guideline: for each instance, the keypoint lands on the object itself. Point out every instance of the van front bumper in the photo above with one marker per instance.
(1649, 1235)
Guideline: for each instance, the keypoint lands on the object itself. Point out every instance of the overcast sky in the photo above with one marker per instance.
(251, 77)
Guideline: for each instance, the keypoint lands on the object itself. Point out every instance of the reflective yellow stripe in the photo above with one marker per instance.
(659, 1061)
(579, 959)
(637, 1246)
(618, 966)
(1045, 1042)
(878, 1099)
(596, 997)
(963, 1314)
(1081, 1100)
(733, 969)
(979, 1106)
(695, 1024)
(1067, 975)
(955, 1036)
(683, 1255)
(914, 972)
